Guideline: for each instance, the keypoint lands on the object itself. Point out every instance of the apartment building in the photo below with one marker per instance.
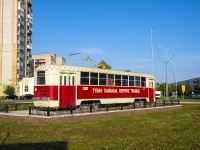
(15, 42)
(27, 83)
(47, 59)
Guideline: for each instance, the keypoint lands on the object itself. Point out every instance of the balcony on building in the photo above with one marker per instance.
(30, 16)
(29, 47)
(20, 14)
(29, 31)
(29, 2)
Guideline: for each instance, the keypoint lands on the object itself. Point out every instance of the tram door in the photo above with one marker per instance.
(67, 90)
(151, 92)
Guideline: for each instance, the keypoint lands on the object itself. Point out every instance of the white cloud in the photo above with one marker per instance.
(92, 50)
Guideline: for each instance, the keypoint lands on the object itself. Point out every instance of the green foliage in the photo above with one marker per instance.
(103, 65)
(198, 84)
(170, 89)
(197, 87)
(188, 89)
(179, 89)
(162, 88)
(158, 88)
(9, 90)
(12, 107)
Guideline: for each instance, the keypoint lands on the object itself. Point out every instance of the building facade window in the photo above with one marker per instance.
(26, 86)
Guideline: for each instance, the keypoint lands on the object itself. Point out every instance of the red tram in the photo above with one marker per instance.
(64, 86)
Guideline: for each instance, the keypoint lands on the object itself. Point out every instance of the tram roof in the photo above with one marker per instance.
(67, 68)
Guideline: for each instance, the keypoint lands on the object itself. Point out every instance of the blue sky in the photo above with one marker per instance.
(119, 32)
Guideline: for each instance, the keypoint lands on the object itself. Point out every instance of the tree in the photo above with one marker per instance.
(188, 89)
(158, 88)
(179, 89)
(170, 89)
(103, 65)
(9, 90)
(198, 84)
(163, 89)
(197, 87)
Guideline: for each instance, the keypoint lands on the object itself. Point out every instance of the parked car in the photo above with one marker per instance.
(11, 97)
(26, 96)
(196, 95)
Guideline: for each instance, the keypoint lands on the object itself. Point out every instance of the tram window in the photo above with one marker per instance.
(102, 79)
(60, 80)
(65, 80)
(85, 74)
(40, 80)
(40, 77)
(151, 84)
(143, 81)
(124, 80)
(131, 81)
(73, 80)
(137, 81)
(69, 81)
(84, 81)
(110, 79)
(85, 78)
(118, 80)
(93, 78)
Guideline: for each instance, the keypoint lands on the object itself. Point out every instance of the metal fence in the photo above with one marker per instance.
(90, 108)
(14, 107)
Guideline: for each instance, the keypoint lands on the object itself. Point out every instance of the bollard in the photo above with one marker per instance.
(107, 107)
(71, 110)
(6, 108)
(178, 102)
(16, 107)
(90, 108)
(155, 104)
(171, 102)
(163, 103)
(48, 111)
(133, 105)
(145, 104)
(121, 107)
(29, 110)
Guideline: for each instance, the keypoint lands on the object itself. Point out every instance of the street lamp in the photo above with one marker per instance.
(166, 77)
(166, 62)
(174, 82)
(152, 53)
(175, 79)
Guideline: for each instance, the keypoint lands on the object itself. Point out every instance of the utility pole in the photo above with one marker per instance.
(166, 61)
(175, 76)
(152, 58)
(174, 82)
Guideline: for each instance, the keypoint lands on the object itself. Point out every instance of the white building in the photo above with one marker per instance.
(15, 42)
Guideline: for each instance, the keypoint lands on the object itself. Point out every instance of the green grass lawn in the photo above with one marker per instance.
(172, 130)
(185, 99)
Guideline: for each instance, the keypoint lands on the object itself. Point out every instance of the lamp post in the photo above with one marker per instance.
(152, 53)
(166, 67)
(175, 79)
